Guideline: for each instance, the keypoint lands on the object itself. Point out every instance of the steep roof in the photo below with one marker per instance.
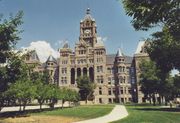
(128, 59)
(119, 53)
(110, 58)
(140, 46)
(51, 59)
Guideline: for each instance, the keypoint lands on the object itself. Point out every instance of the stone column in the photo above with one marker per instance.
(81, 71)
(75, 75)
(87, 72)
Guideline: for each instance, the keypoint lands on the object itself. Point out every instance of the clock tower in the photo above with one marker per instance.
(88, 31)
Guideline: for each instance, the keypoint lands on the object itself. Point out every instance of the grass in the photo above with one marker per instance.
(84, 112)
(150, 114)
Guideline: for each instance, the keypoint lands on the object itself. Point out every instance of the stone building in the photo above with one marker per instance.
(139, 55)
(111, 73)
(115, 75)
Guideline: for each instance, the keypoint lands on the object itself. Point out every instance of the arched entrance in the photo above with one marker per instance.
(91, 74)
(85, 71)
(78, 72)
(72, 76)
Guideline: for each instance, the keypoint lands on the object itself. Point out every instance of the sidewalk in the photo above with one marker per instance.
(16, 108)
(117, 113)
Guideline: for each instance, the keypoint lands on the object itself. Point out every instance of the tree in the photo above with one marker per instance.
(23, 91)
(176, 81)
(86, 87)
(42, 92)
(152, 84)
(8, 38)
(9, 35)
(149, 79)
(165, 45)
(70, 96)
(53, 95)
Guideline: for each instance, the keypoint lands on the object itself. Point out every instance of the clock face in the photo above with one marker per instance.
(87, 31)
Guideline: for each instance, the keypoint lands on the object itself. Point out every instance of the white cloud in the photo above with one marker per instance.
(101, 41)
(43, 49)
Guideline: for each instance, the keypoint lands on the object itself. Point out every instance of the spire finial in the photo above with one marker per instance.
(88, 11)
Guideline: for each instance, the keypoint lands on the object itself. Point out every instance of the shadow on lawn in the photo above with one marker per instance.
(25, 113)
(159, 109)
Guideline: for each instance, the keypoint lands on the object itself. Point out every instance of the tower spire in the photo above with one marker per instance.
(88, 11)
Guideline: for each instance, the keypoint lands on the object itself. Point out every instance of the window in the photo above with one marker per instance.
(121, 91)
(82, 52)
(64, 70)
(109, 91)
(109, 70)
(72, 61)
(63, 80)
(100, 91)
(112, 80)
(114, 91)
(100, 100)
(100, 79)
(110, 100)
(99, 68)
(129, 90)
(64, 62)
(122, 100)
(109, 80)
(90, 60)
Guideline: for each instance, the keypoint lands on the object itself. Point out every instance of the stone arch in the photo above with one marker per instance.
(91, 74)
(84, 71)
(72, 76)
(78, 72)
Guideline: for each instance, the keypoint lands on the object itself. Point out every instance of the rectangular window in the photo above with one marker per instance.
(109, 80)
(99, 68)
(121, 91)
(109, 91)
(100, 91)
(64, 70)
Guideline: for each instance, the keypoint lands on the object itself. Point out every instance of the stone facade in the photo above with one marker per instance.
(139, 55)
(115, 75)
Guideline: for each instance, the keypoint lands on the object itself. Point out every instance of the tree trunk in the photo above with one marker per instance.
(62, 104)
(24, 106)
(154, 100)
(86, 100)
(69, 104)
(40, 106)
(150, 100)
(159, 99)
(166, 102)
(20, 106)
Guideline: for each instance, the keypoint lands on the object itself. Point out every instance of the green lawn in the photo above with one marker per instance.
(85, 112)
(150, 114)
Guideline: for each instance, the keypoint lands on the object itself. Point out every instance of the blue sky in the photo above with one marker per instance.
(54, 21)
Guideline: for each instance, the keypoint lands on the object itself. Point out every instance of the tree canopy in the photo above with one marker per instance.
(165, 45)
(86, 87)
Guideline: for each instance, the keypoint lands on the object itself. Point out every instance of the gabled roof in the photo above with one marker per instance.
(66, 45)
(140, 46)
(32, 54)
(119, 53)
(51, 59)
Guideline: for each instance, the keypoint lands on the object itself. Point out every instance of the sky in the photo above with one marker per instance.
(48, 23)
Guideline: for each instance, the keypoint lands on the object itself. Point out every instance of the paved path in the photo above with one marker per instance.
(117, 113)
(16, 108)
